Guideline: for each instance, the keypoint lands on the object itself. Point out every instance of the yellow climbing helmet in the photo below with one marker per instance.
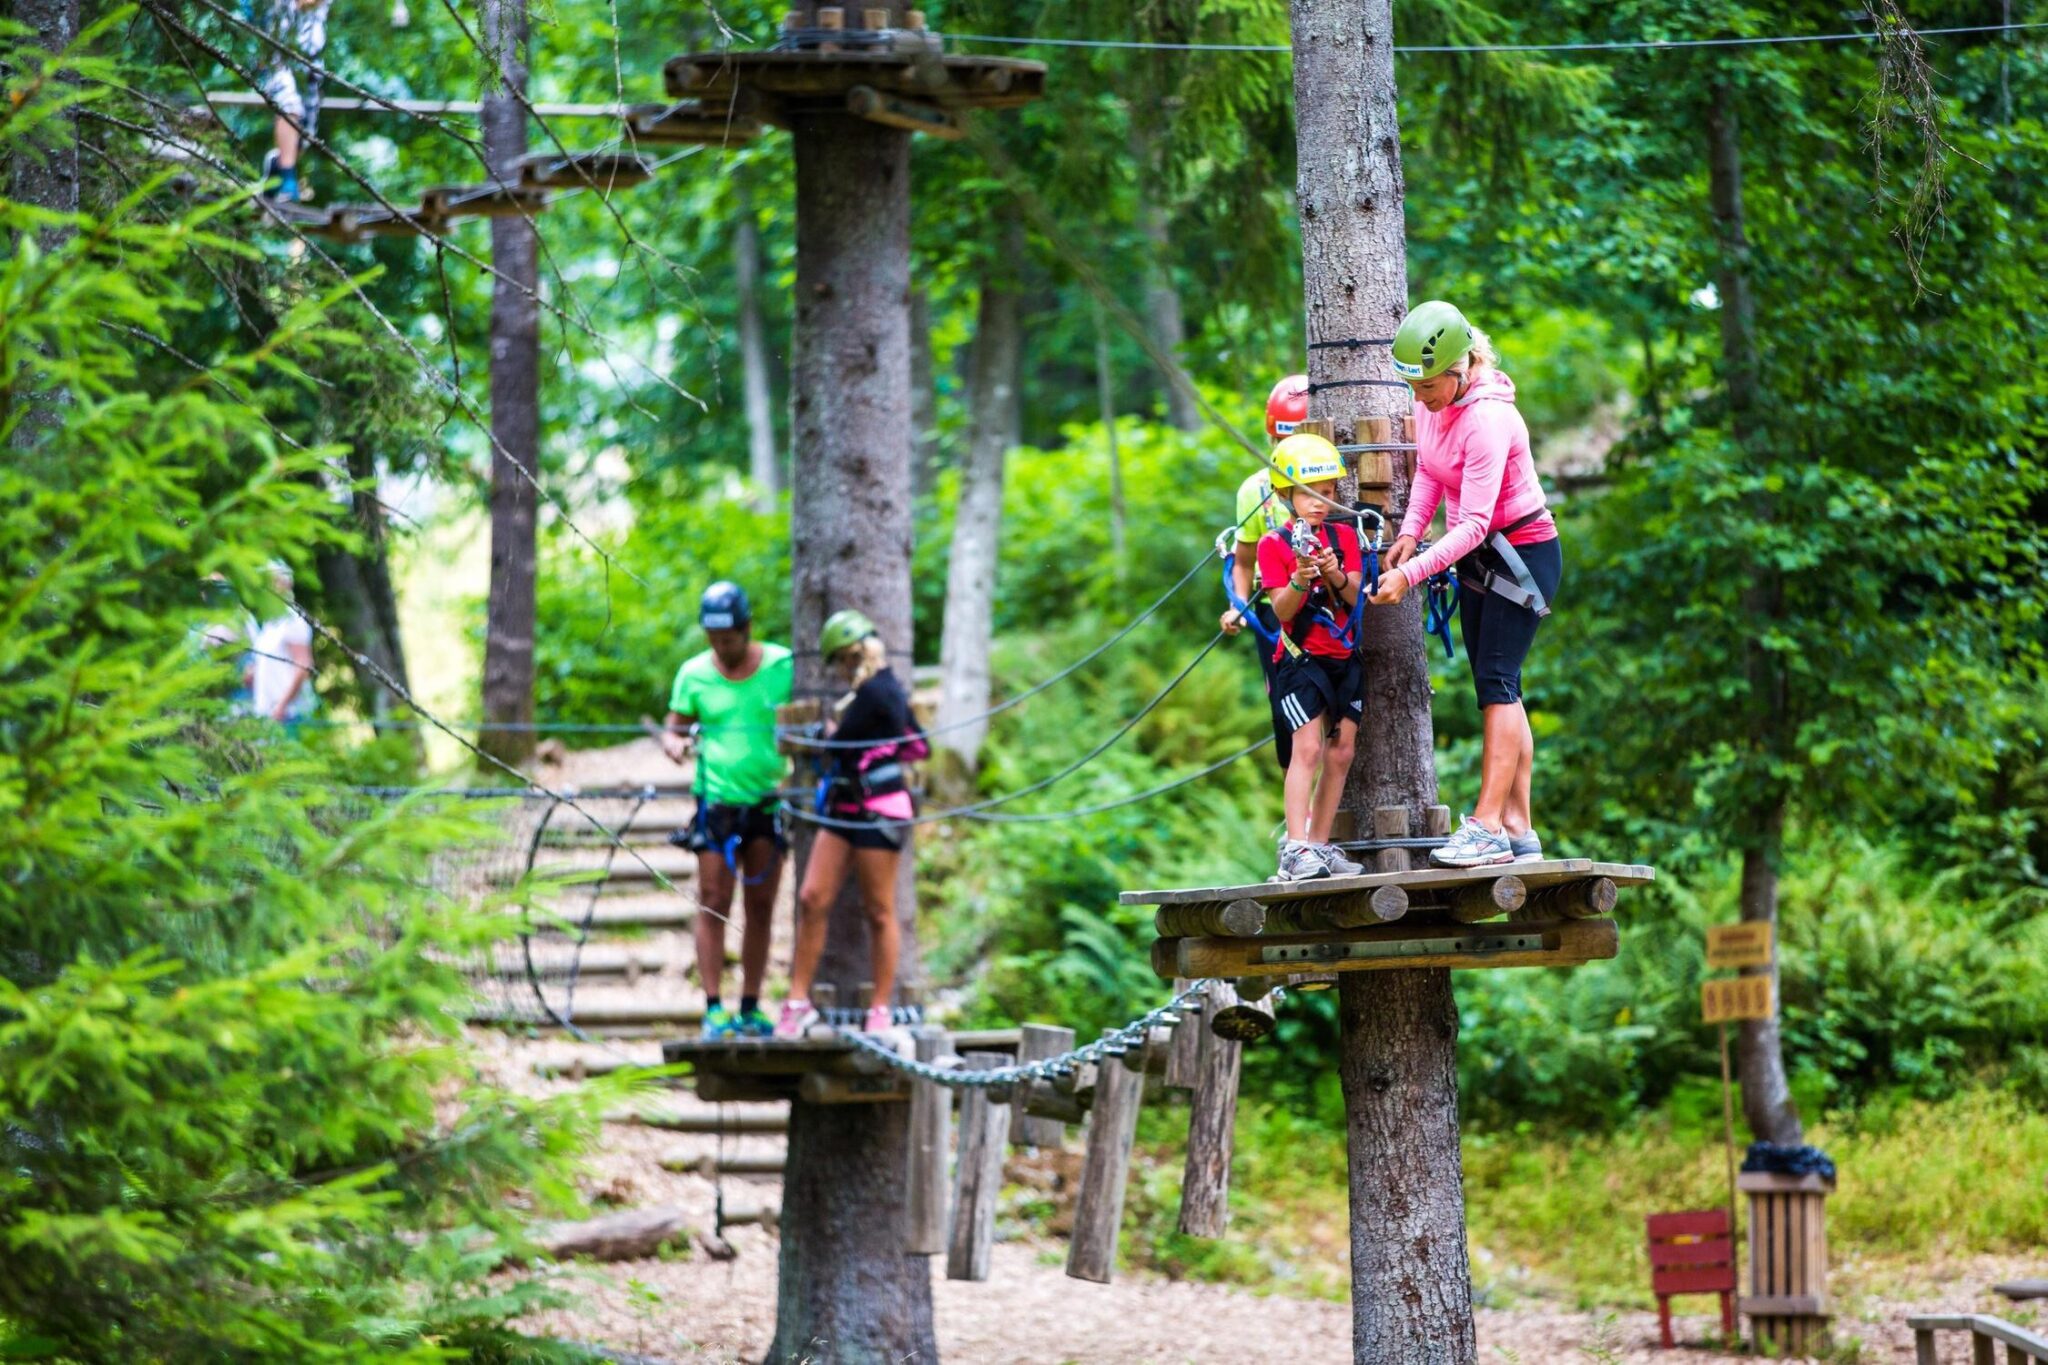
(1305, 457)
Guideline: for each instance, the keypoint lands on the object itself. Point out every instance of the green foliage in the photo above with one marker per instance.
(235, 1120)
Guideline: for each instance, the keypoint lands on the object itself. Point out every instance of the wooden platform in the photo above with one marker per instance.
(1382, 921)
(783, 85)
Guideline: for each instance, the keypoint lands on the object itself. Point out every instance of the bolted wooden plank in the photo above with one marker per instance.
(1212, 1124)
(1433, 879)
(1099, 1206)
(931, 1146)
(1393, 947)
(978, 1179)
(1488, 900)
(819, 1087)
(1039, 1042)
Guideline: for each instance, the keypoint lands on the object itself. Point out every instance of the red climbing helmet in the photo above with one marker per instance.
(1287, 406)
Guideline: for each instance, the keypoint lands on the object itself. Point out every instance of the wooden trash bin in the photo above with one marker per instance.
(1787, 1304)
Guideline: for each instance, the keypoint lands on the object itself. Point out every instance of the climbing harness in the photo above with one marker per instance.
(1439, 604)
(1516, 584)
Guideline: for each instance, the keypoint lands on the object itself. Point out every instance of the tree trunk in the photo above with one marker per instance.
(1411, 1282)
(924, 397)
(1760, 1054)
(358, 586)
(846, 1293)
(978, 511)
(764, 461)
(49, 179)
(1105, 393)
(1163, 321)
(515, 406)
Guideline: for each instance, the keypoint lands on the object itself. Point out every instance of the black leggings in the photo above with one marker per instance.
(1498, 633)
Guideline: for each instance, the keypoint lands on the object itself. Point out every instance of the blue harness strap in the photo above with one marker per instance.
(1244, 609)
(1439, 604)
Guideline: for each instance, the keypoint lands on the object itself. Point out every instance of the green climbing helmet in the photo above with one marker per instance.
(1432, 338)
(842, 628)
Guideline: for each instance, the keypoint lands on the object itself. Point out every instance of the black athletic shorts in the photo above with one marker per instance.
(1312, 685)
(866, 831)
(1498, 633)
(715, 823)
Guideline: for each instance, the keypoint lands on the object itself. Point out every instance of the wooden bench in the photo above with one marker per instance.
(1987, 1334)
(1692, 1253)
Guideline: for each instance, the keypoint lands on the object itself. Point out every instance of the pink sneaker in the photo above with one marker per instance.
(797, 1018)
(879, 1020)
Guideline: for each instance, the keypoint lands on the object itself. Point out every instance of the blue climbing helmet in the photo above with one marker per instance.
(724, 606)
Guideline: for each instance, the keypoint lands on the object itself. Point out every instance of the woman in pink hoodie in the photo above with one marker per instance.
(1472, 455)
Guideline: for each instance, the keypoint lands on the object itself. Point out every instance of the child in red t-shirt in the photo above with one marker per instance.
(1311, 573)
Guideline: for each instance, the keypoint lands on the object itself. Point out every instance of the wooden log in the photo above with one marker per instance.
(825, 996)
(1238, 918)
(750, 1216)
(931, 1146)
(1047, 1102)
(631, 1235)
(1436, 822)
(1488, 900)
(719, 1087)
(874, 18)
(893, 111)
(818, 1087)
(711, 1167)
(1039, 1042)
(1150, 1057)
(1099, 1206)
(913, 19)
(1395, 946)
(984, 1127)
(1212, 1124)
(1585, 899)
(729, 1124)
(1375, 467)
(1186, 1050)
(1391, 822)
(1381, 905)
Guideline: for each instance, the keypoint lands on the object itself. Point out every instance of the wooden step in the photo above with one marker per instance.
(441, 203)
(552, 957)
(647, 910)
(671, 1013)
(691, 122)
(685, 1162)
(584, 170)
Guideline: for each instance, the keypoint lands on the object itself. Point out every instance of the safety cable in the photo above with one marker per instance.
(1038, 817)
(1622, 45)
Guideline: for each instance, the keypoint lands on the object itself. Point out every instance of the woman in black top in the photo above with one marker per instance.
(864, 817)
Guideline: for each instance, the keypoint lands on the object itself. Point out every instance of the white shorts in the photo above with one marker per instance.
(281, 88)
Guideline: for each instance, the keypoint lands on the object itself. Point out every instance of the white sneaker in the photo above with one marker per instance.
(797, 1018)
(1528, 848)
(1301, 862)
(1340, 866)
(1474, 845)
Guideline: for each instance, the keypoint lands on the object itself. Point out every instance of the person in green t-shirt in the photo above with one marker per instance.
(727, 697)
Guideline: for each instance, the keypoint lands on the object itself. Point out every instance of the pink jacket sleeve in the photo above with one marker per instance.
(1423, 495)
(1487, 437)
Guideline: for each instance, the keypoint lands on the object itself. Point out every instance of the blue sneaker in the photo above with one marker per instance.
(754, 1023)
(1527, 847)
(718, 1023)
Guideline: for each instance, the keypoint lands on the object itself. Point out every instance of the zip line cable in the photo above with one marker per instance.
(1619, 45)
(1045, 817)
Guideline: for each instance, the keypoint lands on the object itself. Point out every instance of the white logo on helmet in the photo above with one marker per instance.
(718, 620)
(1285, 428)
(1402, 367)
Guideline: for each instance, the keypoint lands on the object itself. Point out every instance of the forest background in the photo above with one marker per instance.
(1888, 491)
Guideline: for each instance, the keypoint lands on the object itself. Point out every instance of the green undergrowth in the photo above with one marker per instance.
(1560, 1216)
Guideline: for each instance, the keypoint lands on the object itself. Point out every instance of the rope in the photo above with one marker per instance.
(1625, 45)
(1035, 817)
(1114, 1044)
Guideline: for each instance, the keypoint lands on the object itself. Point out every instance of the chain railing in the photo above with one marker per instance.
(1113, 1044)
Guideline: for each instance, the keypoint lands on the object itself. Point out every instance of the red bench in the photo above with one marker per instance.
(1692, 1253)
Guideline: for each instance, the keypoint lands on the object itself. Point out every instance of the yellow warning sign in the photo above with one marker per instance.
(1739, 945)
(1742, 997)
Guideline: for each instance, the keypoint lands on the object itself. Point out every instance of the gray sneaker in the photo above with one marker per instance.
(1474, 845)
(1300, 862)
(1528, 848)
(1340, 866)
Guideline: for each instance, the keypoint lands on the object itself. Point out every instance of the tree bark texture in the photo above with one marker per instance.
(764, 459)
(964, 683)
(515, 405)
(924, 397)
(49, 179)
(1760, 1055)
(847, 1295)
(1411, 1281)
(358, 585)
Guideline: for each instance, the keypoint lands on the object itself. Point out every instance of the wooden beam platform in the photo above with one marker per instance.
(496, 199)
(1534, 876)
(583, 170)
(701, 122)
(792, 83)
(1560, 943)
